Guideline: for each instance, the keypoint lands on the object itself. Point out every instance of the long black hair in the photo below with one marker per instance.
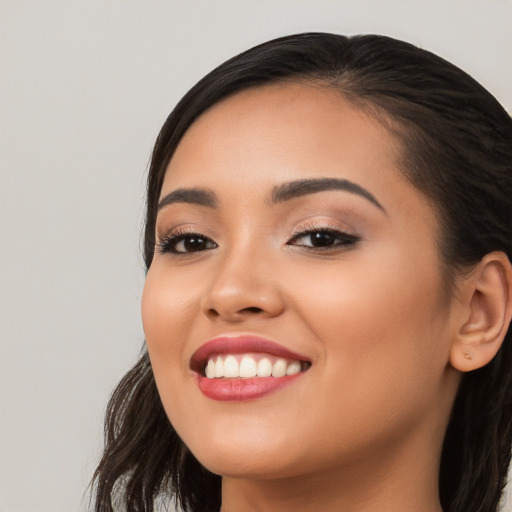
(456, 149)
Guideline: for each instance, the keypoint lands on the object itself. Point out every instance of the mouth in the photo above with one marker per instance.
(245, 367)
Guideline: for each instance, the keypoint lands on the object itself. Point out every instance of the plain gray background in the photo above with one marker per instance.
(84, 88)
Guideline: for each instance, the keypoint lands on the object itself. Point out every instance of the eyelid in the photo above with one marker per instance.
(326, 225)
(178, 231)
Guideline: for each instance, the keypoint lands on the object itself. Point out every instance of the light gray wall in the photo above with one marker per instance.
(84, 88)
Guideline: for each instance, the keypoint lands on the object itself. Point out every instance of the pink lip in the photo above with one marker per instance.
(241, 389)
(240, 345)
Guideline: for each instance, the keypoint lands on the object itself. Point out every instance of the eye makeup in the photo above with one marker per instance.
(322, 237)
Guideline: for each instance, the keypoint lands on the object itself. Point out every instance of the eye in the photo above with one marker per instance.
(323, 238)
(185, 243)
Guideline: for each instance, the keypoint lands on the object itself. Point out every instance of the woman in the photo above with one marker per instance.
(328, 297)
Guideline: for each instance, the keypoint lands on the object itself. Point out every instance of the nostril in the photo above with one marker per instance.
(252, 309)
(213, 313)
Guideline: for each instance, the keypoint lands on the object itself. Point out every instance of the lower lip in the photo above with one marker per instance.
(243, 389)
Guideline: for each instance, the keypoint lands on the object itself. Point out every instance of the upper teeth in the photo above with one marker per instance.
(249, 366)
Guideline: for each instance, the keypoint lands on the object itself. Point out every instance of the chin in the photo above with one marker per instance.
(253, 451)
(244, 463)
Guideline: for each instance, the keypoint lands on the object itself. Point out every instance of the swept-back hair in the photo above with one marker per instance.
(456, 144)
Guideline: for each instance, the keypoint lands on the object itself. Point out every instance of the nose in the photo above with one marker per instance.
(243, 288)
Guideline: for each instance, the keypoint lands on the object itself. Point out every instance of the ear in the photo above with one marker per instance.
(487, 311)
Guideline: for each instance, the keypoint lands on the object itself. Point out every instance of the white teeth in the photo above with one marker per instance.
(293, 368)
(231, 368)
(264, 368)
(219, 367)
(247, 366)
(279, 368)
(210, 369)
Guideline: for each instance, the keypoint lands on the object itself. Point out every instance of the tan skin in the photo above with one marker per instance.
(361, 430)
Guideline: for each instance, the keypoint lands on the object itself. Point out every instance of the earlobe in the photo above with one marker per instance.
(487, 296)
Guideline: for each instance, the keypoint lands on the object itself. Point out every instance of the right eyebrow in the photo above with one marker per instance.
(200, 196)
(299, 188)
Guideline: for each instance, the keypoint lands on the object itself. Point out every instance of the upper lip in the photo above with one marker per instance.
(241, 344)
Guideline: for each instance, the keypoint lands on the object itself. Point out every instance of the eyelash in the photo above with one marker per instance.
(168, 243)
(344, 240)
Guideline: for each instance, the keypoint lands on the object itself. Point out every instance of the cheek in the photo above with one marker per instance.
(382, 340)
(374, 292)
(378, 322)
(167, 301)
(167, 306)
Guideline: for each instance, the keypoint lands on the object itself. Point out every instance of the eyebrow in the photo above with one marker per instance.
(199, 196)
(300, 188)
(280, 193)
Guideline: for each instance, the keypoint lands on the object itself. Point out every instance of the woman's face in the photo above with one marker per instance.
(289, 242)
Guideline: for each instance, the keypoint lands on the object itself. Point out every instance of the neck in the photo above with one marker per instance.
(392, 482)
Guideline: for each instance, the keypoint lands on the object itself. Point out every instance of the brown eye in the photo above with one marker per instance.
(186, 243)
(192, 244)
(322, 239)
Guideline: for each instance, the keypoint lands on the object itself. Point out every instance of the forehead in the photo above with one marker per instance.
(281, 127)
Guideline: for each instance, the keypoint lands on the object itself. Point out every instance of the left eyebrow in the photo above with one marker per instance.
(199, 196)
(300, 188)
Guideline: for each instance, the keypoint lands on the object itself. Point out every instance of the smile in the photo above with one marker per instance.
(251, 365)
(245, 367)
